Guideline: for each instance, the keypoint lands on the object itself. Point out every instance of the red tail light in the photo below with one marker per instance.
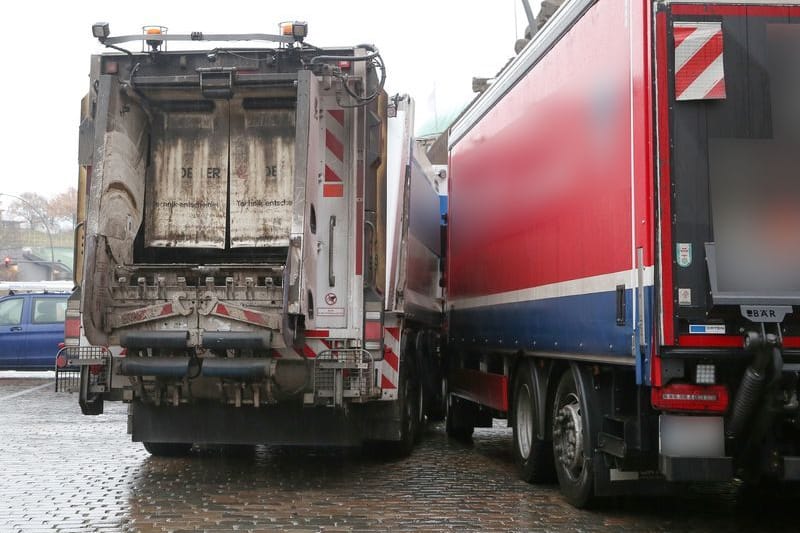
(72, 328)
(689, 397)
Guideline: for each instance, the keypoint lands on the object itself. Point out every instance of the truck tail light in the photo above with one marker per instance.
(689, 397)
(373, 331)
(72, 331)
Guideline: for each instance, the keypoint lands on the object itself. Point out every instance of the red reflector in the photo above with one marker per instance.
(123, 352)
(689, 397)
(61, 361)
(72, 328)
(344, 65)
(373, 330)
(96, 369)
(61, 345)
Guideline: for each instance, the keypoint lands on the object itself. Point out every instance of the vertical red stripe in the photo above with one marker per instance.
(334, 145)
(698, 63)
(359, 217)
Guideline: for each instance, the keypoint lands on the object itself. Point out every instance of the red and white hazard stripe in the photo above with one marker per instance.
(310, 349)
(390, 367)
(333, 185)
(699, 69)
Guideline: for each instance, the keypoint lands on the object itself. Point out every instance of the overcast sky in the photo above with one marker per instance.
(425, 44)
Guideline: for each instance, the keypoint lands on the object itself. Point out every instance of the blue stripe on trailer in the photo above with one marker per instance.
(581, 325)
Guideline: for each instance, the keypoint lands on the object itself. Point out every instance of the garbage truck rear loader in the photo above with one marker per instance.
(232, 245)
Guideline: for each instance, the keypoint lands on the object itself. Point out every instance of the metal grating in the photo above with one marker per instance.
(69, 361)
(343, 373)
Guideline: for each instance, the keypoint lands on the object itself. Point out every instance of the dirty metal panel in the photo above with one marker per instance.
(262, 178)
(187, 185)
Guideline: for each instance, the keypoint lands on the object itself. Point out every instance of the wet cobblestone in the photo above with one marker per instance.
(61, 471)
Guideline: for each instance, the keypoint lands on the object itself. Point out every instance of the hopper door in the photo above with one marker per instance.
(262, 171)
(187, 182)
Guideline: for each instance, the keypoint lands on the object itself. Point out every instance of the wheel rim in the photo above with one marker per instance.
(524, 421)
(568, 436)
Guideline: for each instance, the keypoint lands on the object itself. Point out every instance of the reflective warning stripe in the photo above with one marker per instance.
(333, 185)
(699, 68)
(309, 350)
(390, 369)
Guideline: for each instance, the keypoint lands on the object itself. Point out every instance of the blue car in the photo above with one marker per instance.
(31, 328)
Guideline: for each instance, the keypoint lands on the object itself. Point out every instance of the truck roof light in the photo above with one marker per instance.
(155, 44)
(101, 30)
(689, 397)
(298, 30)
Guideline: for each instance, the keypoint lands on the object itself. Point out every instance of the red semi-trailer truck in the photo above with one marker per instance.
(623, 239)
(237, 208)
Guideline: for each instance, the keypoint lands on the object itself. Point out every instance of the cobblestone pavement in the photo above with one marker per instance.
(61, 471)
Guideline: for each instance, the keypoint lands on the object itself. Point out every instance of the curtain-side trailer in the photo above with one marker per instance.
(623, 265)
(237, 205)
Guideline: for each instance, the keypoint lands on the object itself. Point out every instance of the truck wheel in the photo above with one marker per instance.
(168, 449)
(573, 461)
(534, 457)
(409, 416)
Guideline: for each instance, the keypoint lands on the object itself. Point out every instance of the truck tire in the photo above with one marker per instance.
(573, 461)
(409, 413)
(168, 449)
(534, 457)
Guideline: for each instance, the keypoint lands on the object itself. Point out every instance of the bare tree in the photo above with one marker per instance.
(34, 209)
(63, 206)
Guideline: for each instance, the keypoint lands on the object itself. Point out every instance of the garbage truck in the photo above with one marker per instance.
(258, 248)
(623, 248)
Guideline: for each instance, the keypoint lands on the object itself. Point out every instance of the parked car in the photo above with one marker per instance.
(31, 328)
